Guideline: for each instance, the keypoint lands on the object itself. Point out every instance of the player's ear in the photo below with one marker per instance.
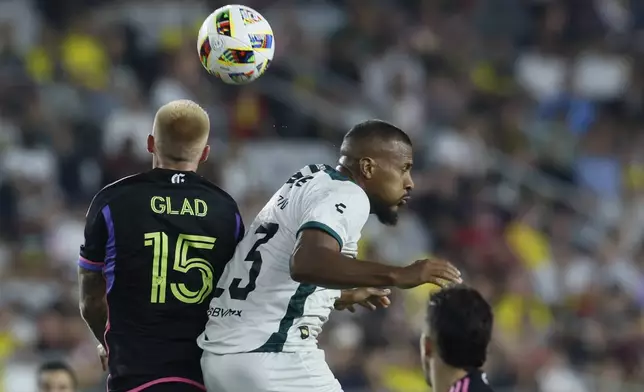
(151, 144)
(425, 346)
(367, 167)
(428, 346)
(204, 154)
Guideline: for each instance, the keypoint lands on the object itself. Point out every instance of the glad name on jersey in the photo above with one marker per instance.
(165, 205)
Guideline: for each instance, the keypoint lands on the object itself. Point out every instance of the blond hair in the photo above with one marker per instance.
(181, 130)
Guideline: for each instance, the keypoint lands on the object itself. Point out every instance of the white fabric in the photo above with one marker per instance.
(268, 372)
(288, 313)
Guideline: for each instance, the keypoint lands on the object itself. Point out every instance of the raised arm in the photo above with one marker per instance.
(324, 228)
(317, 260)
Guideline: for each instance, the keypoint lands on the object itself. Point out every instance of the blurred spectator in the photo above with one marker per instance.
(56, 377)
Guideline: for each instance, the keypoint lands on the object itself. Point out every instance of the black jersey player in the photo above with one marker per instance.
(454, 344)
(155, 246)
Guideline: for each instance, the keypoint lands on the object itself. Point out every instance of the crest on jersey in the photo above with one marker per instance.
(304, 332)
(178, 178)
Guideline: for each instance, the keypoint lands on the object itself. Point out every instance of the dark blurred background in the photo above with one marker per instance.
(527, 123)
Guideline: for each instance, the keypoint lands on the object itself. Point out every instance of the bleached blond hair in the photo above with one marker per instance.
(181, 130)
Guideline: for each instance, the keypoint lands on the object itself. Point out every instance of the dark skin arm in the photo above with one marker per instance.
(317, 260)
(93, 304)
(367, 297)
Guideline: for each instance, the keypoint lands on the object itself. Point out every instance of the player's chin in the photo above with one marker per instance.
(388, 217)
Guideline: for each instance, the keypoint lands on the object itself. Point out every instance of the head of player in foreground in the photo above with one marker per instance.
(56, 377)
(378, 157)
(179, 139)
(457, 333)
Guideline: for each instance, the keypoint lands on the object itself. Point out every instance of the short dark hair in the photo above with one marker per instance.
(461, 322)
(58, 366)
(376, 129)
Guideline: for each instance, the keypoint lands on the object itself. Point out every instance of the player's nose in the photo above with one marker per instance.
(408, 184)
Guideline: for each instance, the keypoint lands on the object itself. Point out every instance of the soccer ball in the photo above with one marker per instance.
(236, 44)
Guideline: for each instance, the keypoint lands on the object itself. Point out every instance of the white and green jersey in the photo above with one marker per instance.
(257, 306)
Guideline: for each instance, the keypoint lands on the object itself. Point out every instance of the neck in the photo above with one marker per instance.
(446, 377)
(344, 170)
(183, 166)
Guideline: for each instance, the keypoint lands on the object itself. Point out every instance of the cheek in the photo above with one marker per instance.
(393, 188)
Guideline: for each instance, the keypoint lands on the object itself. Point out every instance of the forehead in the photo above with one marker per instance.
(398, 152)
(56, 376)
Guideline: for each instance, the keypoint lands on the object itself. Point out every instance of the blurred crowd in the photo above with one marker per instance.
(527, 122)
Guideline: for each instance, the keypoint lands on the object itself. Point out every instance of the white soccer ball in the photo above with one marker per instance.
(236, 44)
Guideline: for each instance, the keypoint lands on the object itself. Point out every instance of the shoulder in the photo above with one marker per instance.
(103, 196)
(332, 183)
(216, 191)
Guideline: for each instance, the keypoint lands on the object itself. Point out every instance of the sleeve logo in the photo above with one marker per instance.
(340, 207)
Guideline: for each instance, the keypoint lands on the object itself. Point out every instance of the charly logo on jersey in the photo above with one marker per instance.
(340, 207)
(178, 178)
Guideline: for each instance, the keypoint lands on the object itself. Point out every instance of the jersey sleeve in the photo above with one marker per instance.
(339, 210)
(92, 251)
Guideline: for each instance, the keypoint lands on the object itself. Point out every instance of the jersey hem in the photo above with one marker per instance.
(323, 227)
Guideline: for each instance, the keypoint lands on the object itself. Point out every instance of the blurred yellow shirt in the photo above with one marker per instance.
(172, 38)
(86, 60)
(40, 65)
(529, 245)
(8, 345)
(399, 379)
(487, 79)
(510, 310)
(634, 176)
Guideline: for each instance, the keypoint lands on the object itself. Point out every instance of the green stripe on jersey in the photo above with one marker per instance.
(295, 309)
(320, 226)
(335, 175)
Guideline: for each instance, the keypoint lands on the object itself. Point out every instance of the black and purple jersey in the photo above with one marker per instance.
(474, 381)
(161, 239)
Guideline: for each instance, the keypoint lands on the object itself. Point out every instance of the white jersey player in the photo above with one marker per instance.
(297, 262)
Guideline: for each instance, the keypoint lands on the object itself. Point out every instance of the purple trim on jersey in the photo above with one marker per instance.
(110, 248)
(175, 380)
(238, 235)
(90, 265)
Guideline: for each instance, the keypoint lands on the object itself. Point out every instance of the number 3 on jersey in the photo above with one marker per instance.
(182, 263)
(241, 293)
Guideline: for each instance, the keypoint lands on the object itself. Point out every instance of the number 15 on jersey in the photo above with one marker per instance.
(182, 263)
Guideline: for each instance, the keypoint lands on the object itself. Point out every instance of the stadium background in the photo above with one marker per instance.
(527, 121)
